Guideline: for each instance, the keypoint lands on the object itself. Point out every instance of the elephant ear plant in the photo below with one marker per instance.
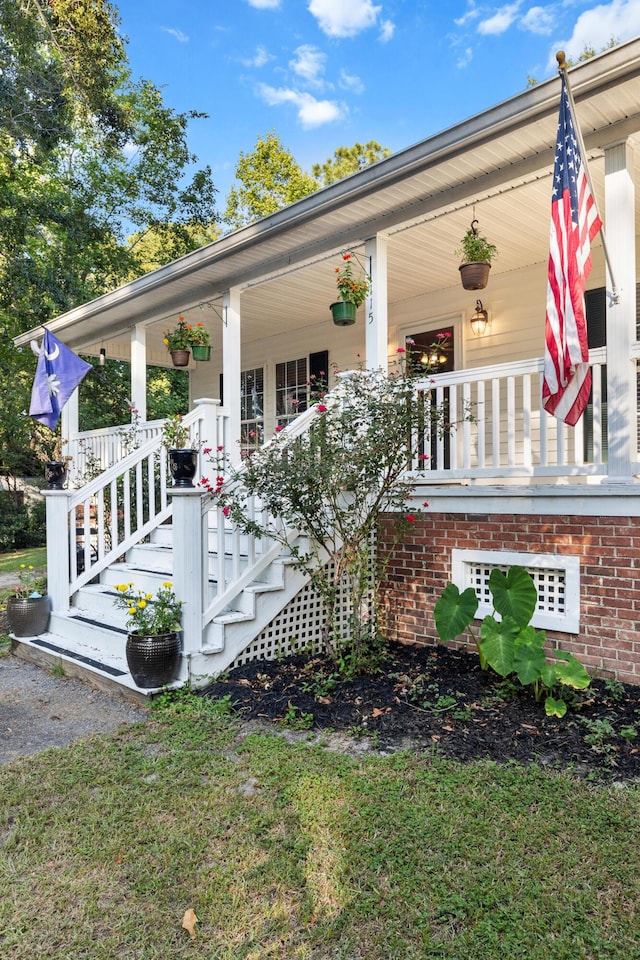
(510, 645)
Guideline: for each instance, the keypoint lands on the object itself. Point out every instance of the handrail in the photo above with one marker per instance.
(121, 507)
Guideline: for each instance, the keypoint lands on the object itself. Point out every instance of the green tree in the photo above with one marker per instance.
(348, 160)
(270, 179)
(86, 154)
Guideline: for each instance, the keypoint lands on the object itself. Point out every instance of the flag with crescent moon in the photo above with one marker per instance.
(58, 373)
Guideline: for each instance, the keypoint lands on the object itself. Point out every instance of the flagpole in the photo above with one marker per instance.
(562, 67)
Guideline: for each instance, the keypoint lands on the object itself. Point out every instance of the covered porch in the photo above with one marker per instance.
(264, 292)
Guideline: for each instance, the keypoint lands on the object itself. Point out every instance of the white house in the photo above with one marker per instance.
(513, 486)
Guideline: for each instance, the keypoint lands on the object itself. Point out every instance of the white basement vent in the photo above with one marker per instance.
(557, 580)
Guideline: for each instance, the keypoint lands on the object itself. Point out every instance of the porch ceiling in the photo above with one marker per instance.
(496, 166)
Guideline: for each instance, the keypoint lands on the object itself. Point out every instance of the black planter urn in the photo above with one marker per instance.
(55, 474)
(182, 466)
(154, 660)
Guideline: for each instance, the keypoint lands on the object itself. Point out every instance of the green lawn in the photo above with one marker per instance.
(286, 850)
(36, 556)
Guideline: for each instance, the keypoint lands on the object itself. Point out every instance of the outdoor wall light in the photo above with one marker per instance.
(479, 320)
(103, 354)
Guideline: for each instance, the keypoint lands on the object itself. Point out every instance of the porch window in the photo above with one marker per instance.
(292, 388)
(252, 408)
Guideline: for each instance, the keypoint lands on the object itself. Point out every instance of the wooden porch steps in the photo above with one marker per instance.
(89, 640)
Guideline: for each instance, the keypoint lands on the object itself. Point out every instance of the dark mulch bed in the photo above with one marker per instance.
(435, 698)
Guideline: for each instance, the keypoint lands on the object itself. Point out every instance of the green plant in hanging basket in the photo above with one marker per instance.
(475, 248)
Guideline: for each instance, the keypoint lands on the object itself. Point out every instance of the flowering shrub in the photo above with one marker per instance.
(180, 337)
(32, 584)
(332, 483)
(149, 615)
(352, 289)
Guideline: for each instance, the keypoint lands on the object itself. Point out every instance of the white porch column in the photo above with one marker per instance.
(69, 424)
(377, 329)
(139, 370)
(621, 316)
(231, 366)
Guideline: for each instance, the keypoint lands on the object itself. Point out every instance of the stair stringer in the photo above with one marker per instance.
(231, 632)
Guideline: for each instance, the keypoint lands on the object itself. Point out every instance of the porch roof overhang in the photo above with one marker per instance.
(495, 166)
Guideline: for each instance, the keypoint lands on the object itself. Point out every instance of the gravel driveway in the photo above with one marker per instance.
(38, 710)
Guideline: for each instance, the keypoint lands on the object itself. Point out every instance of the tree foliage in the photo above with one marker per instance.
(348, 160)
(88, 158)
(270, 179)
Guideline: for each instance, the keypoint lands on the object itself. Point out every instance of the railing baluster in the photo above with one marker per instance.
(527, 458)
(596, 376)
(481, 421)
(511, 421)
(495, 422)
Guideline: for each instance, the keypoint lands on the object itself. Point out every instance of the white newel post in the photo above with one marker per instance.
(58, 540)
(189, 563)
(376, 318)
(621, 316)
(209, 431)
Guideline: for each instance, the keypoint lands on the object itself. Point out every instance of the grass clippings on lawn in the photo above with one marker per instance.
(288, 850)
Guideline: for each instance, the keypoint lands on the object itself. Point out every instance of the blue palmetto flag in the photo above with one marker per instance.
(58, 373)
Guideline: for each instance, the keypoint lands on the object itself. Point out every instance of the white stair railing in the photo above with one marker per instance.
(90, 528)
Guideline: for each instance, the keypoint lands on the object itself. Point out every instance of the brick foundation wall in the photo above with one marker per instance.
(608, 643)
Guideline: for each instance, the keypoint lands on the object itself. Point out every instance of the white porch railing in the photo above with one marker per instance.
(499, 428)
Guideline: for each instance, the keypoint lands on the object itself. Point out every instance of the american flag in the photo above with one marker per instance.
(574, 224)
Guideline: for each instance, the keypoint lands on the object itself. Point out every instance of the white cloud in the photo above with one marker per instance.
(465, 58)
(471, 13)
(344, 18)
(351, 83)
(537, 20)
(264, 4)
(387, 30)
(309, 63)
(259, 59)
(178, 34)
(311, 112)
(594, 28)
(500, 21)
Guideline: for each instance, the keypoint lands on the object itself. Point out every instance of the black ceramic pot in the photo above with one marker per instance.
(154, 661)
(55, 473)
(182, 466)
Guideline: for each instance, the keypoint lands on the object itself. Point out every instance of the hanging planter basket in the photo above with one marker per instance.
(201, 351)
(154, 660)
(180, 358)
(27, 616)
(475, 276)
(182, 466)
(344, 313)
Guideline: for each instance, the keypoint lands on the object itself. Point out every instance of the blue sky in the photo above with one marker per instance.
(328, 73)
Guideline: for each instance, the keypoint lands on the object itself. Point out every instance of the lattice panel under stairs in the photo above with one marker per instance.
(298, 627)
